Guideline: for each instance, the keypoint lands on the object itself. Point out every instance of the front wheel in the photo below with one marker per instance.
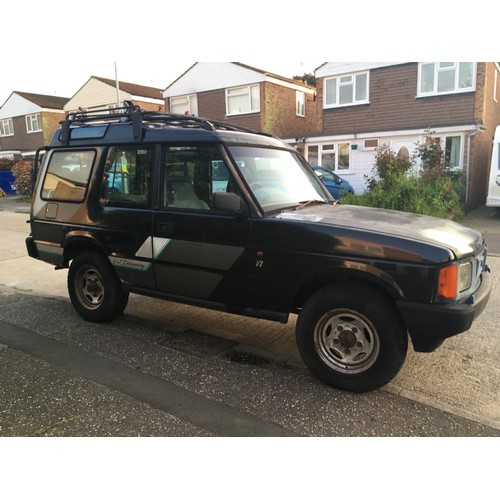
(94, 288)
(351, 337)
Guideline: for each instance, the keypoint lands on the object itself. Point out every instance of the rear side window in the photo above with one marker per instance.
(127, 176)
(68, 175)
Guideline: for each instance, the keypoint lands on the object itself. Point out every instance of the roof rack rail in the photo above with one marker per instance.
(104, 115)
(192, 121)
(141, 118)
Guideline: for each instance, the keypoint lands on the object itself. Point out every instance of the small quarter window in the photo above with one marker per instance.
(68, 175)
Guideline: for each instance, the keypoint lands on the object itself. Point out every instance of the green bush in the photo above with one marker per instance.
(22, 173)
(441, 198)
(436, 190)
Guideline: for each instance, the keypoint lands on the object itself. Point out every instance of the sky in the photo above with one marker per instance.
(54, 47)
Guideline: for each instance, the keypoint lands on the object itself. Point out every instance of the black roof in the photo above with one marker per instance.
(131, 124)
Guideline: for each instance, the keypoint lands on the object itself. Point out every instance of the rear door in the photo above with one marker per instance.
(123, 219)
(199, 252)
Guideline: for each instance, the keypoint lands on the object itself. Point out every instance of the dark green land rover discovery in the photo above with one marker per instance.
(189, 210)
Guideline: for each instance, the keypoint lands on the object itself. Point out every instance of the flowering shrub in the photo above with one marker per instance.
(22, 173)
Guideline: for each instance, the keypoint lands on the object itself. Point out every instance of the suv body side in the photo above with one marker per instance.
(179, 213)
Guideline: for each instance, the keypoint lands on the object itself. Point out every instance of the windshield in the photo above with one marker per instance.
(277, 178)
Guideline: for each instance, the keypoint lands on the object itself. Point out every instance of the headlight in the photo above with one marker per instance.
(464, 276)
(454, 279)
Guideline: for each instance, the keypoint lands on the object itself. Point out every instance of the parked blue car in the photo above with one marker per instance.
(337, 186)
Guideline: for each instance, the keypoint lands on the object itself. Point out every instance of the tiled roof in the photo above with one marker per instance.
(133, 88)
(44, 101)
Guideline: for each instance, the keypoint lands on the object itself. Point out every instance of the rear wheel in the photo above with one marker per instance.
(351, 337)
(95, 289)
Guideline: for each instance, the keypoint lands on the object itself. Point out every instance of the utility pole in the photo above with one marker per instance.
(117, 88)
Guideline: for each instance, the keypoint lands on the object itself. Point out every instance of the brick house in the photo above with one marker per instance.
(27, 122)
(100, 92)
(244, 96)
(365, 105)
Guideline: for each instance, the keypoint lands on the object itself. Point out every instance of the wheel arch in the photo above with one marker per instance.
(79, 242)
(375, 279)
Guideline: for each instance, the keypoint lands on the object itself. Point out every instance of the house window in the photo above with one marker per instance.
(6, 127)
(331, 156)
(346, 90)
(446, 77)
(184, 105)
(33, 123)
(453, 151)
(241, 100)
(300, 103)
(313, 155)
(371, 143)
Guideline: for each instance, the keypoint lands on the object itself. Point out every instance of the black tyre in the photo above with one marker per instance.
(94, 288)
(351, 337)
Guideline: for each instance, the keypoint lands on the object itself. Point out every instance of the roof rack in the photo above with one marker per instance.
(139, 118)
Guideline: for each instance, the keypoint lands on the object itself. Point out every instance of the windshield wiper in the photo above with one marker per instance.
(304, 204)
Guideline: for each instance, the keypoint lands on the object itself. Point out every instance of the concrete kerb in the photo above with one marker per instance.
(14, 204)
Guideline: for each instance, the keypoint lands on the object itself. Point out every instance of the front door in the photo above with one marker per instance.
(199, 253)
(405, 148)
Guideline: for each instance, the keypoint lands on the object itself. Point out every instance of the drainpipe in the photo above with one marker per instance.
(479, 128)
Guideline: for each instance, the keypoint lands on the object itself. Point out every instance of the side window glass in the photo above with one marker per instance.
(127, 177)
(68, 175)
(192, 174)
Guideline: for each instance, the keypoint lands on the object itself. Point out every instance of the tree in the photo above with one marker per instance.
(307, 78)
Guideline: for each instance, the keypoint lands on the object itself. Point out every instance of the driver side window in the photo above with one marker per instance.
(191, 175)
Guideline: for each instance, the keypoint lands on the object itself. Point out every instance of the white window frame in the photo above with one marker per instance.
(461, 149)
(33, 123)
(442, 139)
(344, 81)
(189, 101)
(439, 69)
(252, 92)
(333, 147)
(6, 127)
(300, 103)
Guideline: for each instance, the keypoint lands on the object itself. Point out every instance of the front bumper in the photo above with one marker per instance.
(430, 324)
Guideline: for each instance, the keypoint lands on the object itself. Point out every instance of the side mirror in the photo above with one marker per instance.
(229, 202)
